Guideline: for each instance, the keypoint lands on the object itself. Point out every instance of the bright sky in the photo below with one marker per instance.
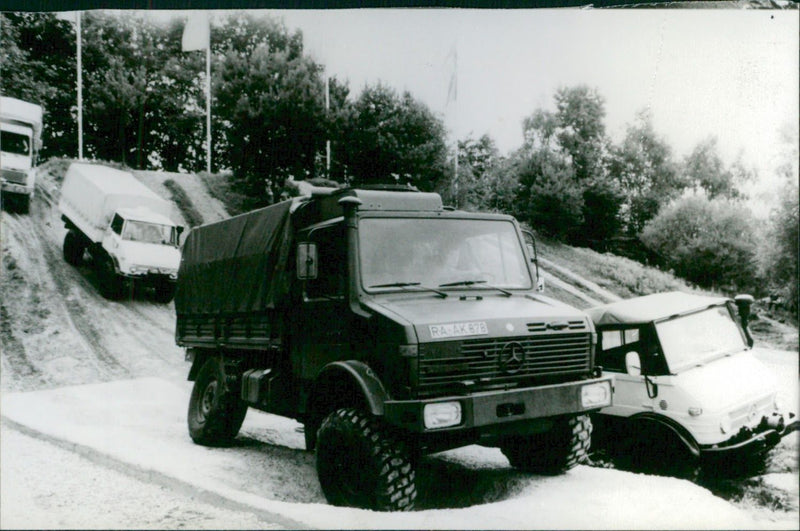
(729, 73)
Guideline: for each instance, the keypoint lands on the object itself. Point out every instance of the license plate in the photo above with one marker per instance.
(442, 331)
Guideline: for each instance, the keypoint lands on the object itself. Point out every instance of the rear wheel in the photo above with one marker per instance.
(73, 248)
(359, 464)
(215, 412)
(558, 450)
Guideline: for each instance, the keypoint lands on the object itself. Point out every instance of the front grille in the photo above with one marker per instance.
(750, 414)
(503, 360)
(13, 176)
(543, 326)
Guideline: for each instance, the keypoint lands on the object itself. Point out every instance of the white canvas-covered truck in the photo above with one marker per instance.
(124, 226)
(20, 140)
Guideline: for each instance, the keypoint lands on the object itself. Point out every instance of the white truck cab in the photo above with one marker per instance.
(683, 367)
(20, 141)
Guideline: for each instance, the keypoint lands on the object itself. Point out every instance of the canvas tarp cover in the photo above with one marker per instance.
(237, 265)
(648, 308)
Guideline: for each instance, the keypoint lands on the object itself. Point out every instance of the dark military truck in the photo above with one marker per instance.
(391, 327)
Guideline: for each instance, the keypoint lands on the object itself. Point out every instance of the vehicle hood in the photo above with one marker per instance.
(727, 382)
(150, 254)
(438, 319)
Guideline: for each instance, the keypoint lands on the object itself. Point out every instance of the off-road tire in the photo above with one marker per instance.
(164, 292)
(215, 412)
(656, 450)
(553, 452)
(360, 464)
(73, 249)
(111, 284)
(24, 205)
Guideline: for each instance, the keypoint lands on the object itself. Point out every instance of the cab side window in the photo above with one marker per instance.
(331, 278)
(615, 344)
(116, 224)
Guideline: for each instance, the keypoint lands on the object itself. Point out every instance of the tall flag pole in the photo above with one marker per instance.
(328, 141)
(197, 36)
(80, 83)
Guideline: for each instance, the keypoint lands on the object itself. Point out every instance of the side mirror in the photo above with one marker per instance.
(179, 230)
(633, 365)
(306, 261)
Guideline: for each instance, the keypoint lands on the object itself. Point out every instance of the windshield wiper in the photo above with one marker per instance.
(405, 285)
(472, 283)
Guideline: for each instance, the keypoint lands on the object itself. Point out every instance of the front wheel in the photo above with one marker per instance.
(164, 292)
(111, 284)
(73, 249)
(215, 412)
(359, 464)
(558, 450)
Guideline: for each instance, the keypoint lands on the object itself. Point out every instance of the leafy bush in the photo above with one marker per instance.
(223, 189)
(187, 208)
(780, 249)
(709, 242)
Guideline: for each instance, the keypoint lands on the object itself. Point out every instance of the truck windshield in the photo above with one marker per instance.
(15, 143)
(142, 231)
(477, 254)
(699, 337)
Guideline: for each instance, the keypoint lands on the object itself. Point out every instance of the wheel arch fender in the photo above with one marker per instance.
(683, 435)
(343, 384)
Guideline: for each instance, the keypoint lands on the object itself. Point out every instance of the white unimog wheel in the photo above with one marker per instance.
(360, 465)
(215, 412)
(558, 450)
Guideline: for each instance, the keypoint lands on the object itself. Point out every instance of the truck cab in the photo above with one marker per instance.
(143, 243)
(20, 138)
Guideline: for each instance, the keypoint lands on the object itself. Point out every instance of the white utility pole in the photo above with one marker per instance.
(80, 86)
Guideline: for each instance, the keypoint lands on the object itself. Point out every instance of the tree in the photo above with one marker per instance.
(477, 182)
(565, 186)
(648, 176)
(708, 241)
(581, 131)
(705, 170)
(779, 250)
(394, 139)
(270, 104)
(549, 197)
(37, 64)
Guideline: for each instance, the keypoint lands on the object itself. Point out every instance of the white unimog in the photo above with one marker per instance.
(124, 226)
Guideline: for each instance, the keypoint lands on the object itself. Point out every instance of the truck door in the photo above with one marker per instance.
(621, 353)
(322, 336)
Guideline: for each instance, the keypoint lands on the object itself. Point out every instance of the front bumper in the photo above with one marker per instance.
(151, 277)
(755, 440)
(490, 408)
(15, 188)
